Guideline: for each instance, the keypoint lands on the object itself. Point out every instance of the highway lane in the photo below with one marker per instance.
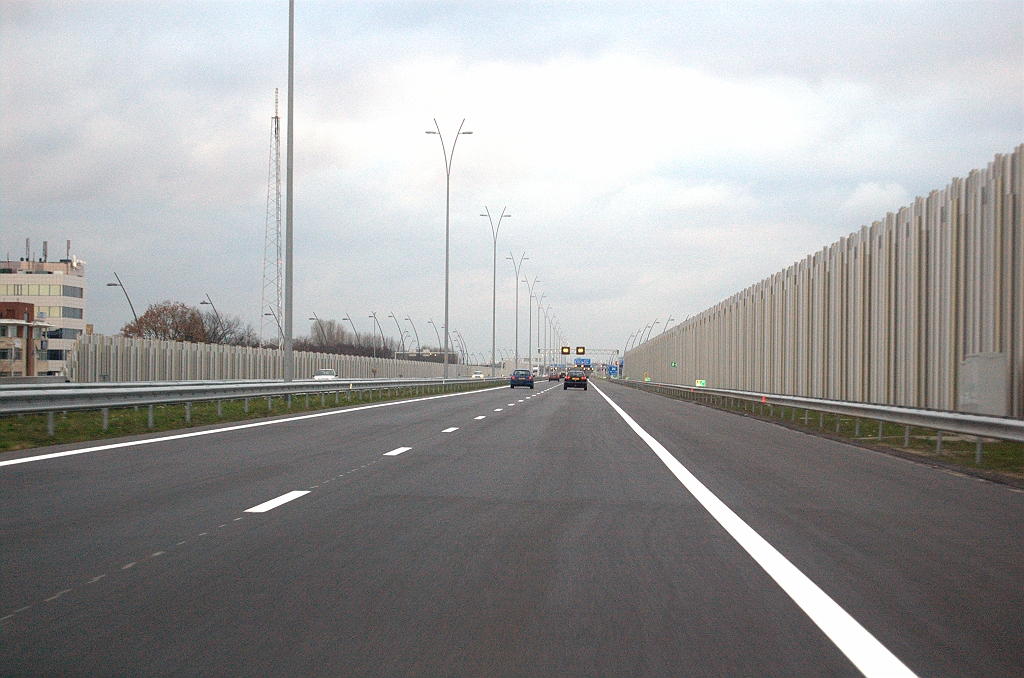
(545, 538)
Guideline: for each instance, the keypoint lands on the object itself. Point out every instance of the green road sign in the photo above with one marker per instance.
(700, 382)
(673, 364)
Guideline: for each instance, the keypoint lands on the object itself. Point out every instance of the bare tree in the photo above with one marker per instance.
(168, 321)
(175, 321)
(329, 336)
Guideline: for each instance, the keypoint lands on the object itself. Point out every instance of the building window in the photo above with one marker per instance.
(54, 354)
(63, 333)
(41, 355)
(70, 291)
(10, 354)
(69, 312)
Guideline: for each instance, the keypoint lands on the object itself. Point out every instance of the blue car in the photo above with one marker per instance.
(521, 378)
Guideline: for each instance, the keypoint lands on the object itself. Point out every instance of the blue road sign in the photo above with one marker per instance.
(583, 361)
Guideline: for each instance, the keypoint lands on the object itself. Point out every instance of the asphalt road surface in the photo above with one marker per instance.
(505, 532)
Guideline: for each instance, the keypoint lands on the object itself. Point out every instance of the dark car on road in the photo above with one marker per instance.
(575, 379)
(553, 376)
(521, 378)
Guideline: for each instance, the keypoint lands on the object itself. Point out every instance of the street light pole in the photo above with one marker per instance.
(400, 335)
(355, 334)
(539, 307)
(670, 319)
(494, 278)
(373, 314)
(517, 266)
(321, 326)
(431, 322)
(447, 213)
(419, 348)
(289, 367)
(130, 304)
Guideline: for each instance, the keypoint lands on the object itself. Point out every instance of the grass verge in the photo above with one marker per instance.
(27, 431)
(1000, 460)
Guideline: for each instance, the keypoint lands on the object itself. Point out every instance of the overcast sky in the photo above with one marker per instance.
(655, 159)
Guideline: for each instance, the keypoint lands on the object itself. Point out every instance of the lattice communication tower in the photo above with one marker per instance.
(271, 307)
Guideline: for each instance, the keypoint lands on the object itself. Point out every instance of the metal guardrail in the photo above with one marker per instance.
(979, 425)
(25, 399)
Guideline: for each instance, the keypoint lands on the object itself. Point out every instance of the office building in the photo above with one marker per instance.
(57, 292)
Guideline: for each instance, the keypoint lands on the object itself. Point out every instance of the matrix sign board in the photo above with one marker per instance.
(565, 350)
(581, 350)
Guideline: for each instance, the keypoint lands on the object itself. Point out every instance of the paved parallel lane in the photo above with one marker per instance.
(546, 538)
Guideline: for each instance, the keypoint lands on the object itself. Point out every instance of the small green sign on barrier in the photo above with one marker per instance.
(701, 382)
(673, 363)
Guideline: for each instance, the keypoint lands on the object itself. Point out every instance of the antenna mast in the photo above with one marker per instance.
(271, 306)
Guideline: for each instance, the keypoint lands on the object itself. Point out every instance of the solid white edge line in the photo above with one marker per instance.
(871, 657)
(237, 427)
(274, 503)
(397, 451)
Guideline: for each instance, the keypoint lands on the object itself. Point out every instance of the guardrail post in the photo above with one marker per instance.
(106, 417)
(149, 421)
(49, 424)
(188, 413)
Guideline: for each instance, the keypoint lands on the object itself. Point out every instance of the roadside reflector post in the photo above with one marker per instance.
(106, 417)
(150, 422)
(49, 424)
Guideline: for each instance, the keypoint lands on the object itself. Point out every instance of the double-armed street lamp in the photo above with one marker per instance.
(447, 214)
(518, 267)
(494, 276)
(529, 329)
(670, 319)
(130, 304)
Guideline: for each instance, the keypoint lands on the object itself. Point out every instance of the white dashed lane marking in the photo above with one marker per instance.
(482, 416)
(498, 410)
(450, 429)
(397, 451)
(274, 503)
